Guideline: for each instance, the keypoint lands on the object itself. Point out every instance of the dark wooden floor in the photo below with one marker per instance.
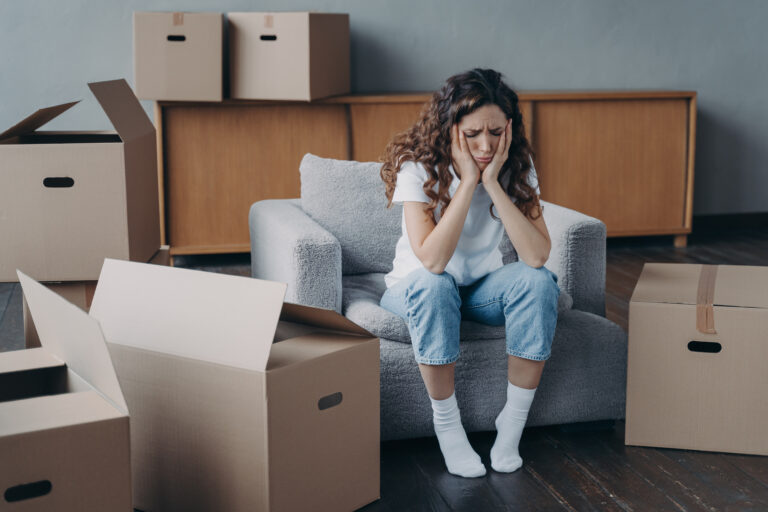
(575, 467)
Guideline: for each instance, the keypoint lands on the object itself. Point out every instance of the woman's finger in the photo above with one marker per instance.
(464, 143)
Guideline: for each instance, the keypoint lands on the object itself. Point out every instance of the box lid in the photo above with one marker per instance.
(74, 337)
(36, 120)
(211, 317)
(678, 283)
(122, 108)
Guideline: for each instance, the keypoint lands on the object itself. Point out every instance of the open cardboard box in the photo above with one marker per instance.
(70, 199)
(238, 400)
(696, 374)
(64, 440)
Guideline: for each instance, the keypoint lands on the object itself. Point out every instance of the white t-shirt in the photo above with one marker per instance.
(477, 253)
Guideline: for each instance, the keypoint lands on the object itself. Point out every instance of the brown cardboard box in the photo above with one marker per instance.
(64, 440)
(697, 353)
(70, 199)
(238, 401)
(288, 55)
(178, 55)
(79, 293)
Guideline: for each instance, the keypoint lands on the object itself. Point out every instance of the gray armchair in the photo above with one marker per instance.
(334, 246)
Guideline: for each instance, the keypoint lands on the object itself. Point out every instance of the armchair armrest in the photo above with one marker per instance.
(288, 246)
(577, 256)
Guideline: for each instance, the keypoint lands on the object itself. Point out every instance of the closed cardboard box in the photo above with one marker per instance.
(70, 199)
(178, 55)
(288, 55)
(238, 401)
(697, 351)
(64, 439)
(79, 293)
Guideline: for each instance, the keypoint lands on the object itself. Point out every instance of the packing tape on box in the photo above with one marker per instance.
(178, 18)
(705, 296)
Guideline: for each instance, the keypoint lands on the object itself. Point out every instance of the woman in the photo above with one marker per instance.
(464, 173)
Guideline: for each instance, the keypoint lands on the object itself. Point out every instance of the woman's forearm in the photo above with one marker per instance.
(531, 244)
(439, 245)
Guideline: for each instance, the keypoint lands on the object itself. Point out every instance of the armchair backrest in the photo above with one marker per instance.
(347, 198)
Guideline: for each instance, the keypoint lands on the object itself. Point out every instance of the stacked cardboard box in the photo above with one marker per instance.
(178, 56)
(697, 351)
(270, 56)
(64, 433)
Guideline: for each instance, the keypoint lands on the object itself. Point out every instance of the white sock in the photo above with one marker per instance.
(509, 426)
(459, 456)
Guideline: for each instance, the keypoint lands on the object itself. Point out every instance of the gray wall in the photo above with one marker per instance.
(49, 50)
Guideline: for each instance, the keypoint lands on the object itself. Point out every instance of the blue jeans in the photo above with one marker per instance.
(519, 297)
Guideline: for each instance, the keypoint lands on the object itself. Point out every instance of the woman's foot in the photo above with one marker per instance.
(510, 422)
(459, 456)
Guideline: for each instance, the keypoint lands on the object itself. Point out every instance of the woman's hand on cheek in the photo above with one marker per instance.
(463, 163)
(491, 173)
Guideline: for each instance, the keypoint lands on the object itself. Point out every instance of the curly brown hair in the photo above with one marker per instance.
(428, 141)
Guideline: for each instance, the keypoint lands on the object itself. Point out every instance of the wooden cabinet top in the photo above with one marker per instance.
(421, 97)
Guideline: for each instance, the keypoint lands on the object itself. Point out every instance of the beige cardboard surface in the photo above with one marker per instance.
(302, 434)
(79, 293)
(681, 397)
(36, 120)
(320, 318)
(218, 318)
(197, 435)
(329, 68)
(288, 55)
(324, 459)
(736, 285)
(86, 464)
(64, 431)
(22, 360)
(73, 336)
(178, 56)
(107, 207)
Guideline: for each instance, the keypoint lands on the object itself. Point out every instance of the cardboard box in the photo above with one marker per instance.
(64, 440)
(696, 374)
(288, 55)
(79, 293)
(70, 199)
(238, 401)
(178, 55)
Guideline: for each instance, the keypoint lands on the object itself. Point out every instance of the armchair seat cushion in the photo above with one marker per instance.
(360, 303)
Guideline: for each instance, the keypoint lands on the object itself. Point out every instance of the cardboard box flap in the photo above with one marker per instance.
(74, 337)
(36, 120)
(30, 359)
(123, 108)
(676, 283)
(741, 285)
(319, 317)
(210, 317)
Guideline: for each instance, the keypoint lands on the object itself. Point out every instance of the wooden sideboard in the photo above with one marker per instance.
(623, 157)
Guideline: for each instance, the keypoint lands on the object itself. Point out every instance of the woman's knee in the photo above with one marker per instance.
(540, 283)
(435, 289)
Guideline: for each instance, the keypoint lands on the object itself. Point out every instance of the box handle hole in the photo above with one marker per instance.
(177, 38)
(269, 38)
(58, 182)
(28, 491)
(329, 401)
(710, 347)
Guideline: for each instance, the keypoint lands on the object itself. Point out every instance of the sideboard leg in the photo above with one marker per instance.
(681, 241)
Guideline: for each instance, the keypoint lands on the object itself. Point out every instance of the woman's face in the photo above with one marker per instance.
(483, 129)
